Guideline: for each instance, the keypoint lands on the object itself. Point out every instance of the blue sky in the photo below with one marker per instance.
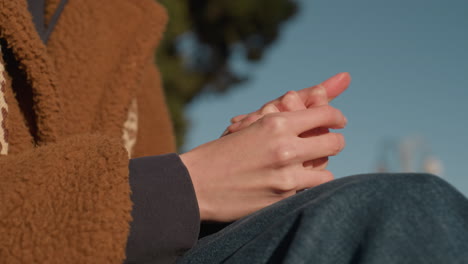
(409, 64)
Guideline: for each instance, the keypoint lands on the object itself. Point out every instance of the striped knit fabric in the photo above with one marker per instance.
(130, 128)
(3, 112)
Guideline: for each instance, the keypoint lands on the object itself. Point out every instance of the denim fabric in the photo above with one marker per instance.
(379, 218)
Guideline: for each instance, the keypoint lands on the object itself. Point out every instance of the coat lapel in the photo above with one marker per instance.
(18, 32)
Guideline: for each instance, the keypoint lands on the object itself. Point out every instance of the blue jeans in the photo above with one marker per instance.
(379, 218)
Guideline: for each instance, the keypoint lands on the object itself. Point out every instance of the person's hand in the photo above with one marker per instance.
(292, 101)
(245, 171)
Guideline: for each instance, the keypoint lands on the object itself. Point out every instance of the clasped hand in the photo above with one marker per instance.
(270, 154)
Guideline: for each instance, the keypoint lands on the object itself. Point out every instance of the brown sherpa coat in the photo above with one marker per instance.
(67, 109)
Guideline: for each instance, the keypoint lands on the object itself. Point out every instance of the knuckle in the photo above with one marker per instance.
(289, 96)
(274, 123)
(290, 101)
(269, 108)
(283, 153)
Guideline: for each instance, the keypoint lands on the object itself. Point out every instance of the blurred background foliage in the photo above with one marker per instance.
(201, 39)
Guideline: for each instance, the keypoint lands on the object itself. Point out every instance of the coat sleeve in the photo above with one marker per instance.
(67, 202)
(165, 213)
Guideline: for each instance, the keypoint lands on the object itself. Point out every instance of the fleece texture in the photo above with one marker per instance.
(64, 192)
(68, 203)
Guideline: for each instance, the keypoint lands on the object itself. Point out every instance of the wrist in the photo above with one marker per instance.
(192, 168)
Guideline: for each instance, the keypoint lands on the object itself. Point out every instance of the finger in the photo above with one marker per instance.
(238, 118)
(242, 121)
(320, 163)
(334, 86)
(247, 121)
(316, 164)
(310, 179)
(290, 101)
(312, 96)
(253, 117)
(232, 128)
(267, 109)
(226, 132)
(315, 132)
(317, 147)
(308, 119)
(317, 96)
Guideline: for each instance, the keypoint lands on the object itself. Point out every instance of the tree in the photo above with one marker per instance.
(195, 56)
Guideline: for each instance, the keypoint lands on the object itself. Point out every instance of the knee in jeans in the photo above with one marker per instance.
(417, 183)
(410, 189)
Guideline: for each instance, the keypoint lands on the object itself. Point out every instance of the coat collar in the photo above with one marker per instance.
(37, 8)
(18, 31)
(47, 83)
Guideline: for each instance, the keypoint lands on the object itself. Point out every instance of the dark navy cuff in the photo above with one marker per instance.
(165, 212)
